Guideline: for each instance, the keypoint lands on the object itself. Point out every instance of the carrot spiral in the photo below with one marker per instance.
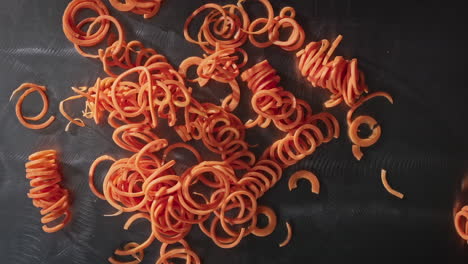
(301, 142)
(221, 66)
(461, 222)
(147, 8)
(339, 76)
(224, 26)
(285, 19)
(271, 102)
(220, 131)
(25, 120)
(47, 194)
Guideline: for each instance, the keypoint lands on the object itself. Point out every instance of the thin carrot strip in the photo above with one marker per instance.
(288, 237)
(387, 187)
(30, 88)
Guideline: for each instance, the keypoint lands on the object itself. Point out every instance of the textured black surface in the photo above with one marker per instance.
(414, 51)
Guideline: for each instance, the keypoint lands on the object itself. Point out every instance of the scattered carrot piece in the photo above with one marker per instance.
(288, 237)
(30, 88)
(303, 174)
(387, 187)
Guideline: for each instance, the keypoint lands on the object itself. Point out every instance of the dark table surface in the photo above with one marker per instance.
(415, 51)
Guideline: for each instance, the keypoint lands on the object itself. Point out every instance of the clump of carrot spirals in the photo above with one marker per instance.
(229, 26)
(222, 66)
(284, 20)
(146, 8)
(341, 77)
(220, 131)
(43, 172)
(142, 88)
(301, 142)
(223, 26)
(345, 82)
(271, 102)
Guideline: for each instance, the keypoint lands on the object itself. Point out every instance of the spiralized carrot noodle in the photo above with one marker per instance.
(461, 222)
(270, 227)
(339, 76)
(303, 174)
(354, 124)
(223, 26)
(295, 39)
(273, 104)
(24, 120)
(357, 153)
(288, 236)
(143, 89)
(383, 176)
(137, 256)
(92, 170)
(349, 115)
(46, 193)
(147, 8)
(222, 66)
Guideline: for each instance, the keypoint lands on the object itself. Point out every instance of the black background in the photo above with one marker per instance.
(414, 51)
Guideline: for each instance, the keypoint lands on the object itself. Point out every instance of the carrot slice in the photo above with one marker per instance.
(383, 176)
(288, 236)
(267, 230)
(461, 222)
(303, 174)
(357, 152)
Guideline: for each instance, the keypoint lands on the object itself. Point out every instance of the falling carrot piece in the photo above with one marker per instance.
(288, 237)
(389, 189)
(303, 174)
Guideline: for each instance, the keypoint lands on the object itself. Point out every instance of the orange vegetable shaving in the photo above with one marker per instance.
(288, 237)
(270, 227)
(147, 8)
(30, 88)
(303, 174)
(387, 187)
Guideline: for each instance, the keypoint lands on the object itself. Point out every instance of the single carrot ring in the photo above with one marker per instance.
(267, 230)
(72, 31)
(92, 169)
(461, 221)
(19, 104)
(354, 127)
(303, 174)
(288, 236)
(287, 11)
